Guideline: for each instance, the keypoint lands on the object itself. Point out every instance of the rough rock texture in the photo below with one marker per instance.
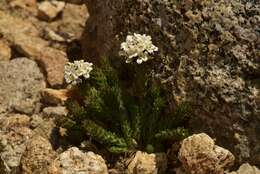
(46, 128)
(5, 51)
(246, 169)
(144, 163)
(73, 20)
(54, 112)
(37, 156)
(209, 52)
(14, 133)
(14, 120)
(20, 84)
(74, 161)
(29, 5)
(24, 37)
(68, 28)
(48, 10)
(200, 155)
(52, 60)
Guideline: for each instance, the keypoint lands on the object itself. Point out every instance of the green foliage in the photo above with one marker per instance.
(124, 108)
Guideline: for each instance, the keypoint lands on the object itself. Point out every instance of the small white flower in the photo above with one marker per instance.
(138, 47)
(73, 71)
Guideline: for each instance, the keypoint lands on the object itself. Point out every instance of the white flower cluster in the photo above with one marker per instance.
(138, 47)
(73, 71)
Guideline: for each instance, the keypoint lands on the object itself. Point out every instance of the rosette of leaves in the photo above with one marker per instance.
(122, 107)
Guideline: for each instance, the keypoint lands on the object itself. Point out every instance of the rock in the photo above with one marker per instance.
(200, 155)
(14, 133)
(35, 121)
(246, 169)
(73, 21)
(214, 72)
(10, 32)
(53, 36)
(68, 29)
(37, 156)
(74, 161)
(53, 96)
(55, 112)
(29, 5)
(5, 51)
(13, 143)
(148, 163)
(20, 84)
(24, 107)
(52, 60)
(25, 39)
(48, 10)
(47, 129)
(14, 120)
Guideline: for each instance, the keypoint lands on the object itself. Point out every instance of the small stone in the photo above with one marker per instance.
(74, 161)
(37, 156)
(14, 120)
(24, 106)
(51, 59)
(55, 111)
(35, 121)
(200, 155)
(148, 163)
(14, 133)
(48, 10)
(54, 96)
(5, 51)
(63, 131)
(246, 169)
(53, 36)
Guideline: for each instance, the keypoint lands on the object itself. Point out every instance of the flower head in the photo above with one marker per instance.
(138, 47)
(73, 71)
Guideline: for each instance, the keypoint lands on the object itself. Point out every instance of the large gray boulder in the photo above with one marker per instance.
(209, 54)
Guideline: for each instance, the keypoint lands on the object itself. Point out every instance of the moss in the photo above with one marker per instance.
(123, 107)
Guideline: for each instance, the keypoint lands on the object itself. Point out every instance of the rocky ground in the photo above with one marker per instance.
(209, 54)
(37, 38)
